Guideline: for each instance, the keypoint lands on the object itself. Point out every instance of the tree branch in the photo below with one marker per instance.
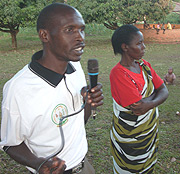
(6, 31)
(111, 26)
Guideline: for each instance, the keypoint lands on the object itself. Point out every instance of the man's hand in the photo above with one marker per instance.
(53, 166)
(95, 95)
(95, 99)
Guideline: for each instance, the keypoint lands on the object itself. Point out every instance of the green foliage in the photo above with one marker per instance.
(122, 11)
(15, 13)
(10, 13)
(97, 29)
(19, 12)
(173, 18)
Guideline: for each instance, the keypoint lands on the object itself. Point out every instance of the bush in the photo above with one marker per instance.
(97, 29)
(172, 18)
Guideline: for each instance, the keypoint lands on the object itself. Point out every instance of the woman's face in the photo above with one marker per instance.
(136, 48)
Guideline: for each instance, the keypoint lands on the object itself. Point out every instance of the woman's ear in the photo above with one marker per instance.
(124, 47)
(43, 35)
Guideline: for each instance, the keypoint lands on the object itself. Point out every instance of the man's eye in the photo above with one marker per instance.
(69, 30)
(83, 28)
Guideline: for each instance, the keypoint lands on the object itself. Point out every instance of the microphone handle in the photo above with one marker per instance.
(93, 112)
(93, 82)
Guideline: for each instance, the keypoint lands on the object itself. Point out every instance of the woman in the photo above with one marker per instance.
(137, 91)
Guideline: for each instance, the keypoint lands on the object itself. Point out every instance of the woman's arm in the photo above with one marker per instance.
(145, 104)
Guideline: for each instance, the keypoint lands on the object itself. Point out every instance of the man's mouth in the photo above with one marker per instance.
(79, 49)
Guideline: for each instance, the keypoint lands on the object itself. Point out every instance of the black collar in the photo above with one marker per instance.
(46, 74)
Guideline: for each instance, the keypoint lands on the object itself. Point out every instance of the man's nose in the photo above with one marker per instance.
(80, 35)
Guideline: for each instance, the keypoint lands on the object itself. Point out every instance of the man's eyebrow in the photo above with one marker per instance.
(66, 26)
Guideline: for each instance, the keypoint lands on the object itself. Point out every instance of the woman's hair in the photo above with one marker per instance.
(123, 34)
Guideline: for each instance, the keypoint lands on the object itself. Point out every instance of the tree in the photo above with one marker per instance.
(16, 13)
(113, 12)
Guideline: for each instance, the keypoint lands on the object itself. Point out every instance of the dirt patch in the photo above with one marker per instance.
(170, 36)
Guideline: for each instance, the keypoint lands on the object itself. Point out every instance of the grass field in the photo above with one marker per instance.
(99, 47)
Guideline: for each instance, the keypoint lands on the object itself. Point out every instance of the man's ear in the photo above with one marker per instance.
(43, 35)
(124, 47)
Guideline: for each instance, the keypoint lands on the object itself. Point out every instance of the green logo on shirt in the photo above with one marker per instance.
(59, 111)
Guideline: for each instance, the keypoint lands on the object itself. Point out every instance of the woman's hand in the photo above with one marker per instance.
(141, 107)
(159, 96)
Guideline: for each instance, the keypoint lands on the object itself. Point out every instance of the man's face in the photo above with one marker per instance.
(67, 36)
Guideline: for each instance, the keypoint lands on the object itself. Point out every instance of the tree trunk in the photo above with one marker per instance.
(14, 39)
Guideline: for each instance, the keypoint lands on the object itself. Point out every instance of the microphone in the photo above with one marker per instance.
(93, 71)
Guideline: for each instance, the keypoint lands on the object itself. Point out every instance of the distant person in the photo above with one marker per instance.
(145, 25)
(169, 27)
(136, 90)
(170, 77)
(163, 28)
(158, 28)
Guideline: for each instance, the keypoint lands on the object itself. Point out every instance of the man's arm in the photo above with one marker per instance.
(24, 156)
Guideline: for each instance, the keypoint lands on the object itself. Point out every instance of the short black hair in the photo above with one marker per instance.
(45, 18)
(123, 34)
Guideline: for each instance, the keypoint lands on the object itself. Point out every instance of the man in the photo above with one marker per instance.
(51, 86)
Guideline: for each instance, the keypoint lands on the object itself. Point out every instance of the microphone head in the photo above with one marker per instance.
(93, 66)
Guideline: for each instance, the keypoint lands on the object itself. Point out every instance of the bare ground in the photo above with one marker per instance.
(170, 36)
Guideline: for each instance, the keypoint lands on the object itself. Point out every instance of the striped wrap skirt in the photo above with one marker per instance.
(134, 141)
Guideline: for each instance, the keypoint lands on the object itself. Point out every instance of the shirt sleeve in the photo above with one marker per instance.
(11, 123)
(121, 84)
(10, 129)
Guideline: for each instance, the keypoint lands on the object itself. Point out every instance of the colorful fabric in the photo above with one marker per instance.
(121, 83)
(134, 139)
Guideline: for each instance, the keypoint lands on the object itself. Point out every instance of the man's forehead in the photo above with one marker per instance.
(69, 17)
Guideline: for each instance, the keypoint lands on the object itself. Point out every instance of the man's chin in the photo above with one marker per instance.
(75, 59)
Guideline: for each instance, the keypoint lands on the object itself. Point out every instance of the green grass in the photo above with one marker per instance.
(99, 47)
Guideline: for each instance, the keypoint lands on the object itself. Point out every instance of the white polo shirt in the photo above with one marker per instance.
(33, 101)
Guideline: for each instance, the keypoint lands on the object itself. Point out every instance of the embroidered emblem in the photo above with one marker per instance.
(59, 111)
